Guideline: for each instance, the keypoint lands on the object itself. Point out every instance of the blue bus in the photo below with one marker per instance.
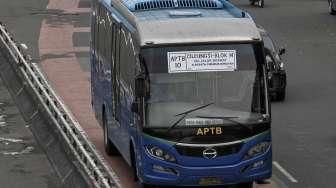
(180, 90)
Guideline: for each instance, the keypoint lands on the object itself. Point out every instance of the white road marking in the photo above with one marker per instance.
(285, 172)
(2, 139)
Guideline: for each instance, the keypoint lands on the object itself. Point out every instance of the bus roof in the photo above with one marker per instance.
(176, 25)
(186, 30)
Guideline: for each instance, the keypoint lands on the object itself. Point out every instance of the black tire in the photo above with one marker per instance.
(281, 95)
(252, 2)
(110, 148)
(272, 97)
(262, 182)
(245, 185)
(143, 185)
(331, 10)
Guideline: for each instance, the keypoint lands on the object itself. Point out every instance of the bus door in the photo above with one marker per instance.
(121, 88)
(127, 75)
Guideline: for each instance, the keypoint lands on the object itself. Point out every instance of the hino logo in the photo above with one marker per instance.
(209, 153)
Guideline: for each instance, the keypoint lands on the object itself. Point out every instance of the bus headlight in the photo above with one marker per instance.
(160, 154)
(257, 150)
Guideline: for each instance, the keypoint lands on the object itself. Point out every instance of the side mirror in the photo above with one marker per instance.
(140, 88)
(282, 51)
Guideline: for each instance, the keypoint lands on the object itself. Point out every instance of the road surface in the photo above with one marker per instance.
(304, 126)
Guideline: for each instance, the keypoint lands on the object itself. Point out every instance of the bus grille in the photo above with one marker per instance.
(197, 151)
(159, 4)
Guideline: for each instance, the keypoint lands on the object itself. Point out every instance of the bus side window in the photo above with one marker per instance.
(107, 45)
(93, 25)
(102, 30)
(100, 33)
(96, 32)
(116, 68)
(109, 41)
(126, 60)
(122, 56)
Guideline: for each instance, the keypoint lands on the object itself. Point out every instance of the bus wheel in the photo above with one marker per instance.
(142, 185)
(110, 149)
(252, 2)
(281, 95)
(245, 185)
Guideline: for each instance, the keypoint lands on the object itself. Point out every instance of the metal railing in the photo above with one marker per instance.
(90, 160)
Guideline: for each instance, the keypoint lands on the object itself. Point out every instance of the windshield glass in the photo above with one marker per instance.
(183, 78)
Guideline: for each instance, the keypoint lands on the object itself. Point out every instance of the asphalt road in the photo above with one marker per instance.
(304, 132)
(304, 126)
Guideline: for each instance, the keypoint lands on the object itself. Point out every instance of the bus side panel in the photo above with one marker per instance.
(113, 74)
(106, 86)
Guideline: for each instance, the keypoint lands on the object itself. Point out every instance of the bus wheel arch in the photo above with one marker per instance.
(136, 179)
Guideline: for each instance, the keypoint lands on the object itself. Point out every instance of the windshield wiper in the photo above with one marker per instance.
(230, 119)
(194, 109)
(184, 114)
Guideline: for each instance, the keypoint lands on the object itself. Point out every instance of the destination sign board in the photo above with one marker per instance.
(202, 61)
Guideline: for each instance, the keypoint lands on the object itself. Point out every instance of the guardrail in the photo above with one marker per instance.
(72, 133)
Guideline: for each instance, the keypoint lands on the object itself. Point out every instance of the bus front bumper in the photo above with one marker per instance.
(157, 172)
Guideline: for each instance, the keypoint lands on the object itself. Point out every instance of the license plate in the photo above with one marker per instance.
(210, 181)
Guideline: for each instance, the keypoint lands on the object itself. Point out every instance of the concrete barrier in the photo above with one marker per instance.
(43, 129)
(73, 156)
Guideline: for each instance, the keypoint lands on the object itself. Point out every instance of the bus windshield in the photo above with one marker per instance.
(181, 78)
